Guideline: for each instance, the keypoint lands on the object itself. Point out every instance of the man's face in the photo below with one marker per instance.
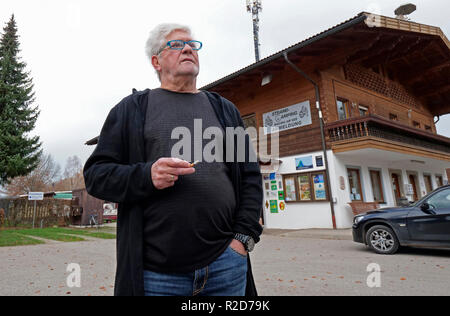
(174, 63)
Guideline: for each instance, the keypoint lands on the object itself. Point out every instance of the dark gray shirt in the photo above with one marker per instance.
(189, 225)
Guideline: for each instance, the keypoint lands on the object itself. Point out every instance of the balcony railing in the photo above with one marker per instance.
(379, 127)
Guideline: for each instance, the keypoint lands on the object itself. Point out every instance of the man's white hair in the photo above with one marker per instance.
(158, 38)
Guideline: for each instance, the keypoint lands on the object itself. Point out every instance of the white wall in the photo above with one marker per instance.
(318, 214)
(299, 215)
(340, 163)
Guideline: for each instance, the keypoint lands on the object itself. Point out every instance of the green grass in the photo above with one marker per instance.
(21, 237)
(49, 233)
(10, 238)
(89, 232)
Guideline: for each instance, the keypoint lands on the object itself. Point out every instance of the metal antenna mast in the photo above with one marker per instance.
(254, 7)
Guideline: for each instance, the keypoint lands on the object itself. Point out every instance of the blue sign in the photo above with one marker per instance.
(304, 163)
(35, 196)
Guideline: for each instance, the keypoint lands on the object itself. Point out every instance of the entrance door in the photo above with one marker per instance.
(428, 184)
(412, 181)
(396, 187)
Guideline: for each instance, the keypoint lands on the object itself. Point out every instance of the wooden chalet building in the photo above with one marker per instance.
(381, 82)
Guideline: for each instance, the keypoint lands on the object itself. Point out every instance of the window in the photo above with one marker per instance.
(377, 186)
(249, 121)
(416, 124)
(343, 108)
(428, 128)
(305, 187)
(363, 111)
(318, 181)
(393, 117)
(354, 180)
(290, 189)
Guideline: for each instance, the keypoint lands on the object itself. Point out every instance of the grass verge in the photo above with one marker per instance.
(9, 238)
(48, 233)
(89, 232)
(22, 237)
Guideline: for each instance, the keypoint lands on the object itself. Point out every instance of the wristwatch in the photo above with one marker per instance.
(247, 241)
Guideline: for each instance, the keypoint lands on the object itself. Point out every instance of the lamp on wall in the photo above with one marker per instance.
(267, 78)
(409, 113)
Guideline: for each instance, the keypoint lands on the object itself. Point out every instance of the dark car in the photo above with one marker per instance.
(425, 223)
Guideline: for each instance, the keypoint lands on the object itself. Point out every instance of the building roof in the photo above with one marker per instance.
(381, 38)
(356, 20)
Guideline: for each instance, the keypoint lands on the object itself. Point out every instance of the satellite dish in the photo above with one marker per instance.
(404, 10)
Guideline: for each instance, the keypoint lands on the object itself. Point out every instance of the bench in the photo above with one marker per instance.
(363, 207)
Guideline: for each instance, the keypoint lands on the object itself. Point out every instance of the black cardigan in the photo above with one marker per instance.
(117, 171)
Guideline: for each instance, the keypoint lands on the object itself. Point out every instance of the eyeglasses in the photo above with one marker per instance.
(179, 45)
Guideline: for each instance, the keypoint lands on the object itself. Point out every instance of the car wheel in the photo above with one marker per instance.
(382, 240)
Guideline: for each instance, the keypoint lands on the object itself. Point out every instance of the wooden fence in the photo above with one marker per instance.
(49, 212)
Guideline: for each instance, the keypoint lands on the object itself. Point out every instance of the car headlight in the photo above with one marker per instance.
(357, 219)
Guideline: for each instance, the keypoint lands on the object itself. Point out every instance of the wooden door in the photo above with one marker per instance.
(412, 181)
(396, 187)
(428, 184)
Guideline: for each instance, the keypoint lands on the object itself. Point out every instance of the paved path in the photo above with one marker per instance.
(41, 269)
(309, 262)
(313, 266)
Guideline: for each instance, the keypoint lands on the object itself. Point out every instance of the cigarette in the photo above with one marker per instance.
(195, 163)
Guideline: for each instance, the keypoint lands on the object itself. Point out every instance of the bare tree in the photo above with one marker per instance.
(73, 174)
(73, 167)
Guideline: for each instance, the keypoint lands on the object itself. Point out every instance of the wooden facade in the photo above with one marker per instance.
(84, 205)
(19, 212)
(397, 70)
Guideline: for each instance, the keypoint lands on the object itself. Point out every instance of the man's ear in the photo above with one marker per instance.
(156, 64)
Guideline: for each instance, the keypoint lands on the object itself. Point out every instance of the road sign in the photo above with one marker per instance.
(35, 196)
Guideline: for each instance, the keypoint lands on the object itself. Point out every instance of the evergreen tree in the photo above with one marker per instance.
(19, 153)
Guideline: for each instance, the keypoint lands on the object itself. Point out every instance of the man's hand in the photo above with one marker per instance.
(237, 246)
(165, 172)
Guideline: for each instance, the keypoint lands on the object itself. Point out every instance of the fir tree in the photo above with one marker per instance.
(19, 153)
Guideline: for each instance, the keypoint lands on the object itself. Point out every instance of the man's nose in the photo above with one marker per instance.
(187, 47)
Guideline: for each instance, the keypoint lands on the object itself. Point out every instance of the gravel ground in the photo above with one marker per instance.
(312, 266)
(314, 262)
(42, 269)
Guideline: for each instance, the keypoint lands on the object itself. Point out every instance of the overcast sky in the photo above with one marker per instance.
(85, 56)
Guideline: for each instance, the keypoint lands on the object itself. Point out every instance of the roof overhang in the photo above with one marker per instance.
(93, 141)
(417, 54)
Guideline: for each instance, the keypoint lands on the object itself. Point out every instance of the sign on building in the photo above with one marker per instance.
(35, 196)
(294, 116)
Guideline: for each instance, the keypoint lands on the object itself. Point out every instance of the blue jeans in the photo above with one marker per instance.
(227, 276)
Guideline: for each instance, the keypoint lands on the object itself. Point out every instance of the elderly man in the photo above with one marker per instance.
(183, 229)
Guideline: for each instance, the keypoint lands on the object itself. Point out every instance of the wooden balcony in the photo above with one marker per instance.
(377, 132)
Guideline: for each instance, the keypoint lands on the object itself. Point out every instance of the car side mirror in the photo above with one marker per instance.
(426, 208)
